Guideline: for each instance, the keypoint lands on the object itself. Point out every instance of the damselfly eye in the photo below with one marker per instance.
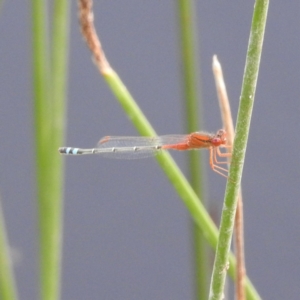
(216, 140)
(221, 134)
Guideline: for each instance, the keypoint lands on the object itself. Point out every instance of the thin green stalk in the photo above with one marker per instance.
(42, 126)
(238, 156)
(190, 77)
(8, 290)
(49, 92)
(42, 116)
(40, 76)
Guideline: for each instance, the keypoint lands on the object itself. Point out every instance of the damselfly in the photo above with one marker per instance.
(138, 147)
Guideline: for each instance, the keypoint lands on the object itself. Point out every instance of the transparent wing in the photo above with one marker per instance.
(135, 147)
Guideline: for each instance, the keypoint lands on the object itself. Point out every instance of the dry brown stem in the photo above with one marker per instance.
(86, 20)
(239, 219)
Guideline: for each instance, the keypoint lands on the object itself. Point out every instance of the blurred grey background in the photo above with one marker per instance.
(126, 233)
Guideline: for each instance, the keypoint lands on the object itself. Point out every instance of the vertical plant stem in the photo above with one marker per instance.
(239, 150)
(49, 92)
(42, 125)
(190, 77)
(52, 216)
(42, 121)
(41, 86)
(8, 290)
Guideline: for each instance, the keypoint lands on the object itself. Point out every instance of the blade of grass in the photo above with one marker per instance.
(49, 91)
(42, 122)
(185, 191)
(190, 78)
(41, 69)
(52, 209)
(239, 150)
(8, 290)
